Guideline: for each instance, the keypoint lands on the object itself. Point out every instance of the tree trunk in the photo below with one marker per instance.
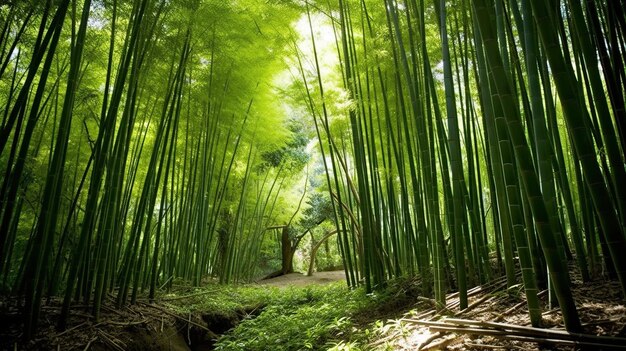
(287, 251)
(324, 240)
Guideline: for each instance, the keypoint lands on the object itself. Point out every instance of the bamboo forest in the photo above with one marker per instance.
(312, 175)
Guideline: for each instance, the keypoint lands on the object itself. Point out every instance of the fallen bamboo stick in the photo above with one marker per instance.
(512, 336)
(428, 341)
(485, 346)
(209, 331)
(88, 344)
(510, 310)
(109, 340)
(474, 304)
(425, 314)
(167, 299)
(492, 286)
(519, 305)
(70, 329)
(539, 331)
(438, 345)
(535, 334)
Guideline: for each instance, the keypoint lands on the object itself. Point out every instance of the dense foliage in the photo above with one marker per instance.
(292, 317)
(300, 319)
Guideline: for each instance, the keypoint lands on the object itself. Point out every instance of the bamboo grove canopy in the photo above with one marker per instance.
(144, 141)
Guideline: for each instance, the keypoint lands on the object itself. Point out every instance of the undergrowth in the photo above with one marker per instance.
(224, 299)
(296, 318)
(301, 319)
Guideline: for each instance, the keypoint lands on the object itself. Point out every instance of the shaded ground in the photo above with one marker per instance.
(137, 327)
(301, 280)
(600, 305)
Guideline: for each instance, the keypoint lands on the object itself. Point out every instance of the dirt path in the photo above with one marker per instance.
(300, 280)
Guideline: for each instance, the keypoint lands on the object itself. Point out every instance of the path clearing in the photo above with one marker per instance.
(301, 280)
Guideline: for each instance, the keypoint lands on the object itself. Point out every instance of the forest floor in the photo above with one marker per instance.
(497, 319)
(296, 312)
(301, 280)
